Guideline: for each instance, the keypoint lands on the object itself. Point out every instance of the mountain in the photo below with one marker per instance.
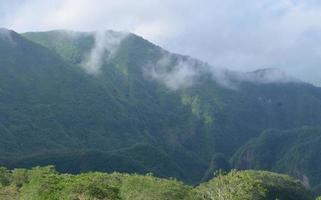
(112, 101)
(270, 75)
(295, 151)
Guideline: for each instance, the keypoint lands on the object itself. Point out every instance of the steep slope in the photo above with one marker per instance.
(53, 102)
(247, 110)
(72, 111)
(114, 101)
(295, 151)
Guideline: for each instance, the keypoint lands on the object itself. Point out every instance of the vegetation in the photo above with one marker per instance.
(44, 183)
(295, 151)
(253, 185)
(54, 113)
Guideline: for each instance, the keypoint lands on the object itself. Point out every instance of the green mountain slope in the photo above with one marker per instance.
(127, 113)
(295, 151)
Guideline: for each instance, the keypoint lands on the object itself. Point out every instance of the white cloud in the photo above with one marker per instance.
(105, 47)
(175, 73)
(241, 35)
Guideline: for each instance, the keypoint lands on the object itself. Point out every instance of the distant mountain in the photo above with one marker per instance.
(112, 101)
(295, 151)
(270, 75)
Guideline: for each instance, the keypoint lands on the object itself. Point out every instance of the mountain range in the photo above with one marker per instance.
(112, 101)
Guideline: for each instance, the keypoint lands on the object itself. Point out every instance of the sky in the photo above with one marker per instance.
(241, 35)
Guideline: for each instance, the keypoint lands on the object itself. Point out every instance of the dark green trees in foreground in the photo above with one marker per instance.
(45, 183)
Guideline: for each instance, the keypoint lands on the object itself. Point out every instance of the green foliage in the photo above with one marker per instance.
(53, 112)
(19, 177)
(218, 164)
(93, 186)
(254, 185)
(295, 151)
(148, 187)
(71, 46)
(44, 183)
(4, 176)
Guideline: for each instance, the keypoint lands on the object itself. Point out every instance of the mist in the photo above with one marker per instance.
(179, 72)
(106, 44)
(235, 35)
(174, 72)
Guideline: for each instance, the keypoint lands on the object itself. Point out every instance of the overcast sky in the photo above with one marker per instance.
(237, 34)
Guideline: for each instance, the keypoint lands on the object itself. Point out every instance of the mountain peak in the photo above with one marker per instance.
(8, 36)
(2, 29)
(4, 32)
(269, 75)
(265, 71)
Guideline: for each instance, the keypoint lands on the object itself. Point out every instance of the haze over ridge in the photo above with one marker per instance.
(236, 35)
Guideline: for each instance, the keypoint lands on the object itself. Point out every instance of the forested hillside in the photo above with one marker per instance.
(113, 101)
(295, 151)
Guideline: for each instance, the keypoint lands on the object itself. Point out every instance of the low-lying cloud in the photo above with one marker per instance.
(178, 72)
(238, 35)
(175, 72)
(105, 46)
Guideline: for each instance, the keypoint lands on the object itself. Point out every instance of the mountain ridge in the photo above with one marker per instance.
(186, 115)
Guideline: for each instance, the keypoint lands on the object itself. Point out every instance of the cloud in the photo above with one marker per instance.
(175, 72)
(105, 46)
(179, 72)
(239, 35)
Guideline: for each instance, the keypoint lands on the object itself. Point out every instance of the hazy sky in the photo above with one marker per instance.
(237, 34)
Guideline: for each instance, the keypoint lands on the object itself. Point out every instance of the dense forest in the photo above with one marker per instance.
(42, 183)
(112, 101)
